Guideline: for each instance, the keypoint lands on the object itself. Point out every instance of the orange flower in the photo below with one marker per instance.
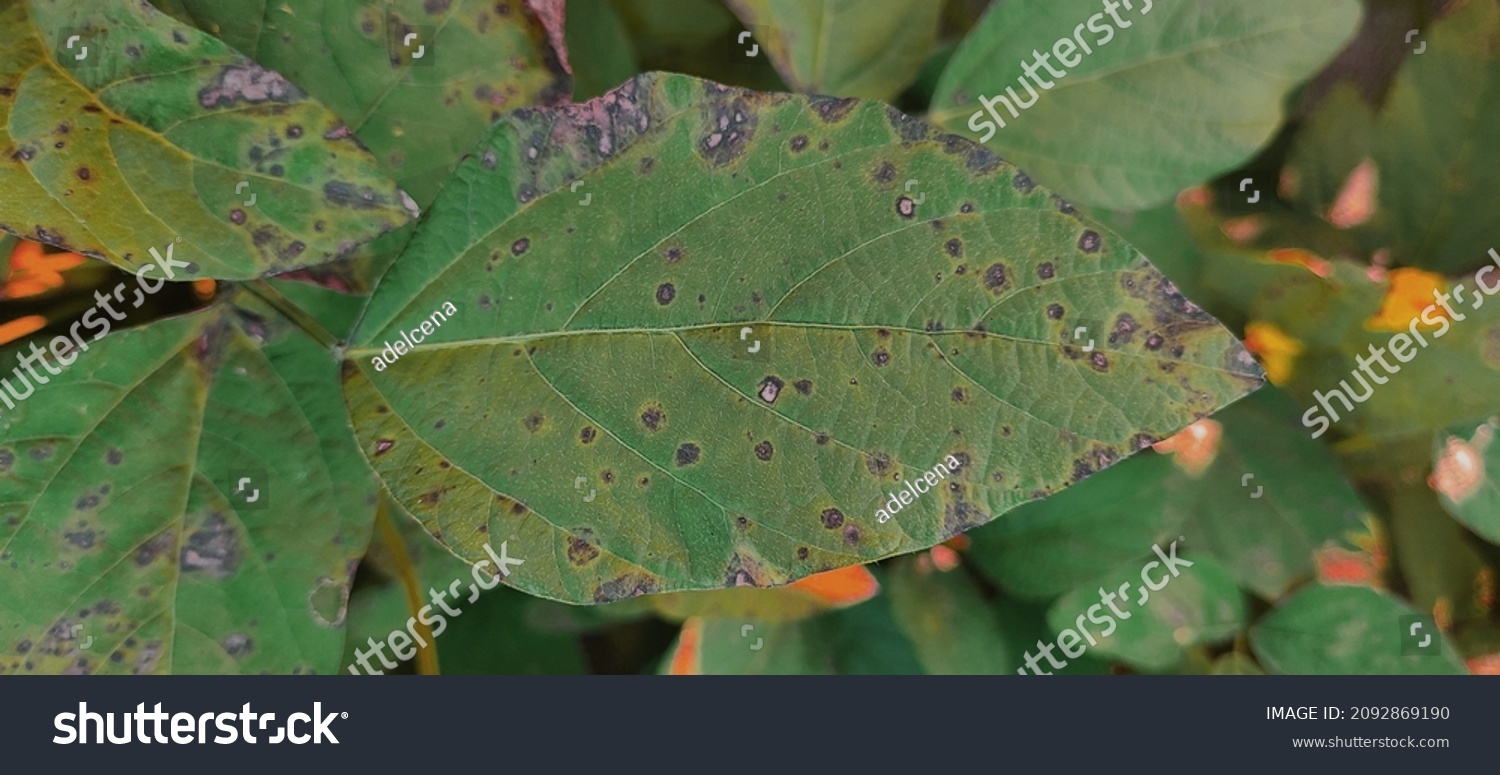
(34, 272)
(15, 329)
(1411, 291)
(1194, 447)
(1278, 352)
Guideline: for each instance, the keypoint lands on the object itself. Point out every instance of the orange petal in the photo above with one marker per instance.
(21, 288)
(15, 329)
(58, 262)
(1356, 202)
(204, 289)
(1460, 469)
(1195, 447)
(25, 255)
(943, 558)
(1341, 566)
(688, 658)
(1485, 664)
(842, 587)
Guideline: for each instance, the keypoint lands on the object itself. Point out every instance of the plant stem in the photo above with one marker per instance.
(427, 662)
(292, 312)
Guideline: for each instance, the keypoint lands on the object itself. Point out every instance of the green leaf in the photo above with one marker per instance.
(1265, 530)
(599, 48)
(587, 350)
(1044, 549)
(418, 114)
(947, 622)
(1199, 605)
(1343, 630)
(1235, 663)
(1331, 318)
(161, 132)
(1465, 459)
(123, 511)
(1183, 93)
(696, 37)
(1429, 144)
(1272, 498)
(844, 48)
(737, 647)
(490, 636)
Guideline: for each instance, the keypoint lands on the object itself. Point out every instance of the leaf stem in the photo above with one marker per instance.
(293, 313)
(427, 662)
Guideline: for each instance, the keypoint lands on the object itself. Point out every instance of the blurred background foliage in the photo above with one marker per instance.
(1374, 191)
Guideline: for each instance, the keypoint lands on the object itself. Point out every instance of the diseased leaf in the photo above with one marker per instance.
(1343, 630)
(1172, 94)
(844, 48)
(132, 542)
(586, 333)
(418, 82)
(1427, 154)
(154, 131)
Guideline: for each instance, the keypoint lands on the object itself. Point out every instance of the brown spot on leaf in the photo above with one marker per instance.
(665, 293)
(831, 518)
(653, 417)
(688, 454)
(764, 450)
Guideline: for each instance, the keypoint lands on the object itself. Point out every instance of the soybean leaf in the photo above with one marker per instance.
(1172, 94)
(604, 401)
(1337, 322)
(124, 130)
(1426, 152)
(945, 618)
(489, 636)
(735, 647)
(599, 48)
(1265, 529)
(418, 82)
(696, 37)
(130, 540)
(1195, 605)
(1272, 498)
(1043, 549)
(1345, 630)
(845, 48)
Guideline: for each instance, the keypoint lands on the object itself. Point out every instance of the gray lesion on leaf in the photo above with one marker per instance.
(213, 548)
(247, 83)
